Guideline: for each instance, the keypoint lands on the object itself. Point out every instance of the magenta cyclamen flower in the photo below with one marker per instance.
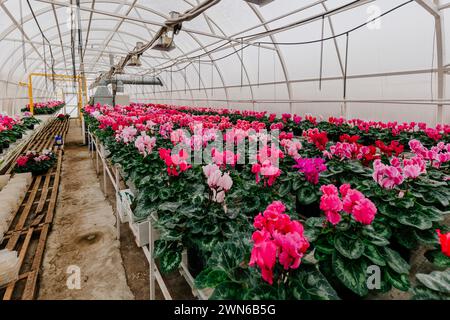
(353, 202)
(277, 237)
(311, 168)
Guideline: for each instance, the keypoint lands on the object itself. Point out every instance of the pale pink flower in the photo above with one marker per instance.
(145, 144)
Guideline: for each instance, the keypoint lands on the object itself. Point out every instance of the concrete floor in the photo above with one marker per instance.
(83, 235)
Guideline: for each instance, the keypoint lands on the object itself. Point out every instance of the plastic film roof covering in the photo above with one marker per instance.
(389, 60)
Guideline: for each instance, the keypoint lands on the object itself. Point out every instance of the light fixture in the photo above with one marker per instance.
(165, 43)
(259, 2)
(135, 59)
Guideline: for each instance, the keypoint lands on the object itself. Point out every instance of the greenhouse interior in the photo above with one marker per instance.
(233, 150)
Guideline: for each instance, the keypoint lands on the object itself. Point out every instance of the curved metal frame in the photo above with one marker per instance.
(434, 7)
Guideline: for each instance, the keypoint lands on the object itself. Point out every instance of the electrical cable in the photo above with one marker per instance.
(45, 65)
(297, 23)
(24, 57)
(72, 47)
(321, 54)
(289, 43)
(346, 66)
(343, 33)
(48, 42)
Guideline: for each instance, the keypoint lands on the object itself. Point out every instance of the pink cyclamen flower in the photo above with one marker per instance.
(331, 204)
(364, 211)
(126, 135)
(264, 254)
(145, 144)
(218, 182)
(209, 169)
(277, 236)
(387, 177)
(411, 171)
(225, 181)
(353, 202)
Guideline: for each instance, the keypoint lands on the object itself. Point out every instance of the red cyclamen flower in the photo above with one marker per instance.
(444, 238)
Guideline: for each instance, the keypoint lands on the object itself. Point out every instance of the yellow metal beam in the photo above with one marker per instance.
(82, 88)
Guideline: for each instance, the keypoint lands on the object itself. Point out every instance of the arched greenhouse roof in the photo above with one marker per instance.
(324, 57)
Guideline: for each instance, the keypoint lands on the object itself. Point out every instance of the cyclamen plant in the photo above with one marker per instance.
(277, 237)
(391, 176)
(368, 224)
(353, 202)
(311, 168)
(35, 162)
(176, 163)
(218, 182)
(346, 243)
(316, 137)
(145, 144)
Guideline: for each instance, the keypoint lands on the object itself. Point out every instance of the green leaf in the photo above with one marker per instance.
(432, 213)
(427, 237)
(312, 234)
(312, 285)
(307, 195)
(210, 278)
(229, 255)
(395, 261)
(426, 182)
(399, 281)
(159, 248)
(324, 247)
(352, 273)
(441, 198)
(285, 188)
(348, 247)
(262, 292)
(169, 206)
(228, 290)
(437, 281)
(211, 229)
(297, 183)
(315, 222)
(170, 261)
(437, 258)
(164, 194)
(374, 238)
(423, 293)
(373, 254)
(415, 219)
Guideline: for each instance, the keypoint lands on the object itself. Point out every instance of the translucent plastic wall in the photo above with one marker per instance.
(391, 65)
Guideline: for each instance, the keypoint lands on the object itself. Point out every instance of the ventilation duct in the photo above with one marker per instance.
(134, 79)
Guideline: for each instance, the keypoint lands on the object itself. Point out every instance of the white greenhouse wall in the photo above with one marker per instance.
(284, 80)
